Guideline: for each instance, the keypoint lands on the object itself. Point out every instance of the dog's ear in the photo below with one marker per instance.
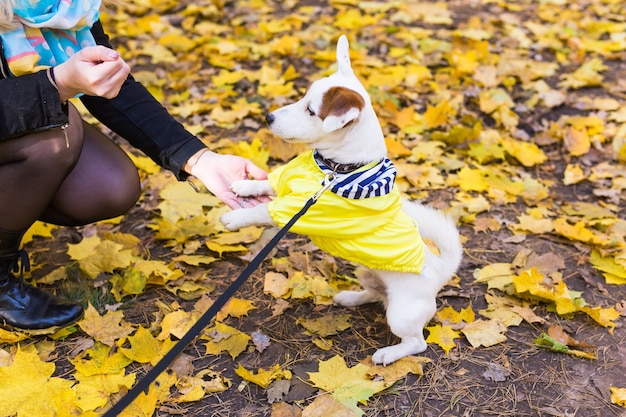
(344, 67)
(340, 106)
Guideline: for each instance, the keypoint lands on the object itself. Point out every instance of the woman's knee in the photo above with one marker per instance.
(125, 191)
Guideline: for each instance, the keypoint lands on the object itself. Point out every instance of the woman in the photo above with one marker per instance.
(56, 168)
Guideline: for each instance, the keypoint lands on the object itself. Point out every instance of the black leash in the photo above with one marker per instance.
(205, 319)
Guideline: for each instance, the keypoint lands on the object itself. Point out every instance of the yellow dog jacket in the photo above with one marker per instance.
(360, 219)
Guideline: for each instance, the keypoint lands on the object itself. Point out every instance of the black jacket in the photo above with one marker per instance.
(29, 104)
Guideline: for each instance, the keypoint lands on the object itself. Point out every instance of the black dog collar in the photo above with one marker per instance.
(336, 166)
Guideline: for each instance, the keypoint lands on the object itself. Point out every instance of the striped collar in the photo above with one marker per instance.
(375, 180)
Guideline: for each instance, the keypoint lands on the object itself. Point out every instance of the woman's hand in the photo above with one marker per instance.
(218, 171)
(94, 71)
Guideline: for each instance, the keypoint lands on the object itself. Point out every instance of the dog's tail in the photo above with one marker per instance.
(441, 229)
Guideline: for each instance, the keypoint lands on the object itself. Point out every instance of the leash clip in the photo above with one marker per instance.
(328, 181)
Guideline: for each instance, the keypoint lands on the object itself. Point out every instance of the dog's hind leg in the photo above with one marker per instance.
(408, 311)
(373, 290)
(357, 298)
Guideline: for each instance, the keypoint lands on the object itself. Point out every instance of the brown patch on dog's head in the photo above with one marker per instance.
(337, 101)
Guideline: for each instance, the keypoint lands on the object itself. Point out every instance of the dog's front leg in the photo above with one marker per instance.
(252, 188)
(254, 216)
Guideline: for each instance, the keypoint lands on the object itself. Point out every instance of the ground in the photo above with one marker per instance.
(513, 378)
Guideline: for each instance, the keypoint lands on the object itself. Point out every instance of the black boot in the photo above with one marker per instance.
(23, 306)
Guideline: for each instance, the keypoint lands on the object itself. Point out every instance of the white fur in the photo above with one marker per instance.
(410, 299)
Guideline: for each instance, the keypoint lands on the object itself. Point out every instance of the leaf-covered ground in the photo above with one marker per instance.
(510, 116)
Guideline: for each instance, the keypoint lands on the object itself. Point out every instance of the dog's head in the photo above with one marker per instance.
(331, 109)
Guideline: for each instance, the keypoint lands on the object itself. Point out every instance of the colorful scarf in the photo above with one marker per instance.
(49, 32)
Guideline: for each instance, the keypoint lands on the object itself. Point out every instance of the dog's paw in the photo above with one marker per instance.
(246, 188)
(390, 354)
(356, 298)
(234, 220)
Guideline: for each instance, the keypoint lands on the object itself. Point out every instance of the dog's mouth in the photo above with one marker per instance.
(290, 139)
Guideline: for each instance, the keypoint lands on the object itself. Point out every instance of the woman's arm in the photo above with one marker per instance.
(139, 118)
(28, 104)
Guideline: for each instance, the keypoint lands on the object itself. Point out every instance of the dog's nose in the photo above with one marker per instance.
(270, 118)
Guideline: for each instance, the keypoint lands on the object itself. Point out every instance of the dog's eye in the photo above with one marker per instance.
(311, 112)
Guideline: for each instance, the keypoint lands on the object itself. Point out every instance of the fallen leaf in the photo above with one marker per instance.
(349, 386)
(263, 377)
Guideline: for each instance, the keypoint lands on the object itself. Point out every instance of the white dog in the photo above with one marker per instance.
(361, 217)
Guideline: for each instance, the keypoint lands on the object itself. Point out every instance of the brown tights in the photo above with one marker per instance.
(43, 179)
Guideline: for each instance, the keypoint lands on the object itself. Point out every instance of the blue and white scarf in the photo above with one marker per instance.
(48, 33)
(372, 182)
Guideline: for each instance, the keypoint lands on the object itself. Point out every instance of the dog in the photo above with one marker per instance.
(361, 217)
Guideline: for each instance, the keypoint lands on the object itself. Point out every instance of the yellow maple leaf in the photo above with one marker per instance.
(448, 315)
(157, 272)
(101, 359)
(439, 114)
(618, 396)
(484, 152)
(323, 405)
(86, 247)
(587, 75)
(184, 229)
(235, 307)
(404, 117)
(254, 150)
(352, 18)
(496, 275)
(95, 391)
(195, 260)
(472, 180)
(614, 272)
(159, 392)
(573, 174)
(194, 388)
(130, 282)
(29, 389)
(238, 111)
(108, 257)
(527, 153)
(398, 369)
(576, 141)
(177, 42)
(501, 308)
(316, 287)
(485, 332)
(106, 329)
(534, 284)
(263, 377)
(181, 201)
(349, 386)
(276, 284)
(176, 323)
(227, 77)
(145, 348)
(533, 224)
(326, 325)
(443, 336)
(492, 99)
(11, 337)
(603, 316)
(575, 232)
(244, 235)
(225, 338)
(221, 248)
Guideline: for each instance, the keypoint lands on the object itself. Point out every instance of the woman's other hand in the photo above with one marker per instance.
(94, 71)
